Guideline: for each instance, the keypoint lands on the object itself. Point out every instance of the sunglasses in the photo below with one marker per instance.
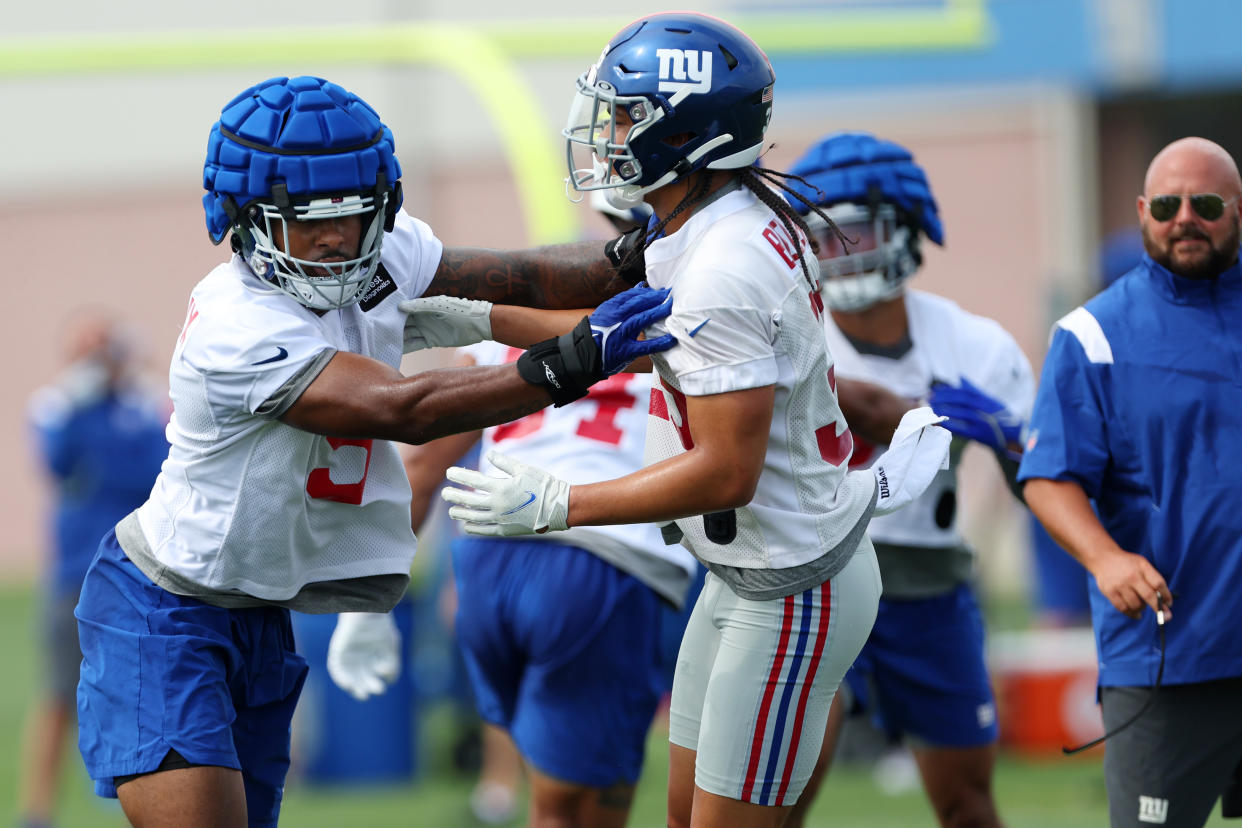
(1207, 206)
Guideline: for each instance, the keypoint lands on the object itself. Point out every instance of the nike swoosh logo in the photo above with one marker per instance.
(699, 327)
(529, 501)
(282, 353)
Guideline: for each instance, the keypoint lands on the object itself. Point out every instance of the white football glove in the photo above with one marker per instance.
(364, 653)
(918, 450)
(445, 322)
(526, 500)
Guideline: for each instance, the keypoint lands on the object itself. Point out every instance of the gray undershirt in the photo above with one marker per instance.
(922, 571)
(770, 584)
(372, 593)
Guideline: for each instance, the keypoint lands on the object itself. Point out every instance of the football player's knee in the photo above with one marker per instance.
(969, 808)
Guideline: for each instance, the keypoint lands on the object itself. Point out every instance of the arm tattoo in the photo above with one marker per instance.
(557, 277)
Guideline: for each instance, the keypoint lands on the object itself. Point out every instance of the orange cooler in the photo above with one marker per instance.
(1045, 689)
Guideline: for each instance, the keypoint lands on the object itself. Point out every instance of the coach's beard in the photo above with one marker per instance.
(1218, 259)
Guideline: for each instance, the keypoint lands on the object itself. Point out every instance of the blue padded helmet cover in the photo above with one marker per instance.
(312, 136)
(859, 168)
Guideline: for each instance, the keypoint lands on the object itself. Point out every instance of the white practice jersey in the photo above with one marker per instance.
(246, 504)
(596, 438)
(744, 316)
(947, 344)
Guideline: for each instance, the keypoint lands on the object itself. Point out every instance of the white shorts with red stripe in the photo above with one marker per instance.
(755, 680)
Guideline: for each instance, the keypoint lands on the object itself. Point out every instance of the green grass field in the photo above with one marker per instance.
(1065, 793)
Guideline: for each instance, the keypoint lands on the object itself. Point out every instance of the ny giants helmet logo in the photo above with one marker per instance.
(688, 70)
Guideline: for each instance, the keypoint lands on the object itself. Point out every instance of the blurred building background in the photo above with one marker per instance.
(1035, 120)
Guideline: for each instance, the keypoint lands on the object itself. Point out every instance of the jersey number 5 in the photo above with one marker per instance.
(321, 486)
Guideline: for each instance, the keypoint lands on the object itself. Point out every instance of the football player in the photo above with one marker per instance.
(565, 636)
(921, 674)
(561, 633)
(747, 449)
(282, 489)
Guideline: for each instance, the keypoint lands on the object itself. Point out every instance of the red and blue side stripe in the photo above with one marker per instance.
(800, 649)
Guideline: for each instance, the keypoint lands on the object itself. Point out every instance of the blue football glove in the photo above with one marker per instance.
(617, 323)
(974, 415)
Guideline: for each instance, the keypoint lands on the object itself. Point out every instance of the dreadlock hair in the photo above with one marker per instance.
(761, 181)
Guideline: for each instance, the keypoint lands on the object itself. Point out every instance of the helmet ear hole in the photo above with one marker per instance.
(914, 248)
(392, 207)
(678, 140)
(914, 238)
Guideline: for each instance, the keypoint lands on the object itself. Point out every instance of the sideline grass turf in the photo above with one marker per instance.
(1067, 793)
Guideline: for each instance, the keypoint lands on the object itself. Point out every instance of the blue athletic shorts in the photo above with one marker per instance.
(562, 650)
(161, 671)
(922, 672)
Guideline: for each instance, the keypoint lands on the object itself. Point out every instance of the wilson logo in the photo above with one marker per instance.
(688, 70)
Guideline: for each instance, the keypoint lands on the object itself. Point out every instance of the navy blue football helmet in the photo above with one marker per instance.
(697, 92)
(879, 197)
(301, 149)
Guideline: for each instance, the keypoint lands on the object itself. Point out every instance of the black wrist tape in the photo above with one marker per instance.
(566, 365)
(626, 254)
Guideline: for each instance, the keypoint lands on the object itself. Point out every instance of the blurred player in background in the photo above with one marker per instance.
(921, 674)
(563, 637)
(1137, 412)
(746, 447)
(561, 634)
(100, 434)
(282, 489)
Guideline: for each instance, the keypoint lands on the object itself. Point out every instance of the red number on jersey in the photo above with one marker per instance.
(320, 485)
(611, 396)
(833, 447)
(864, 451)
(191, 313)
(659, 408)
(817, 307)
(518, 428)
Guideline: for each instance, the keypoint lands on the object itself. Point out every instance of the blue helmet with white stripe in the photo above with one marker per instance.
(301, 149)
(880, 198)
(694, 91)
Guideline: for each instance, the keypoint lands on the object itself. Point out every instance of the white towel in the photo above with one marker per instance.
(918, 450)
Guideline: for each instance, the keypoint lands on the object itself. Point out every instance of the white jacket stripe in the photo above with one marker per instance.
(1086, 329)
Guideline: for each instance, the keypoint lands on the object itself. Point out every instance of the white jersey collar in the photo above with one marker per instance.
(670, 247)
